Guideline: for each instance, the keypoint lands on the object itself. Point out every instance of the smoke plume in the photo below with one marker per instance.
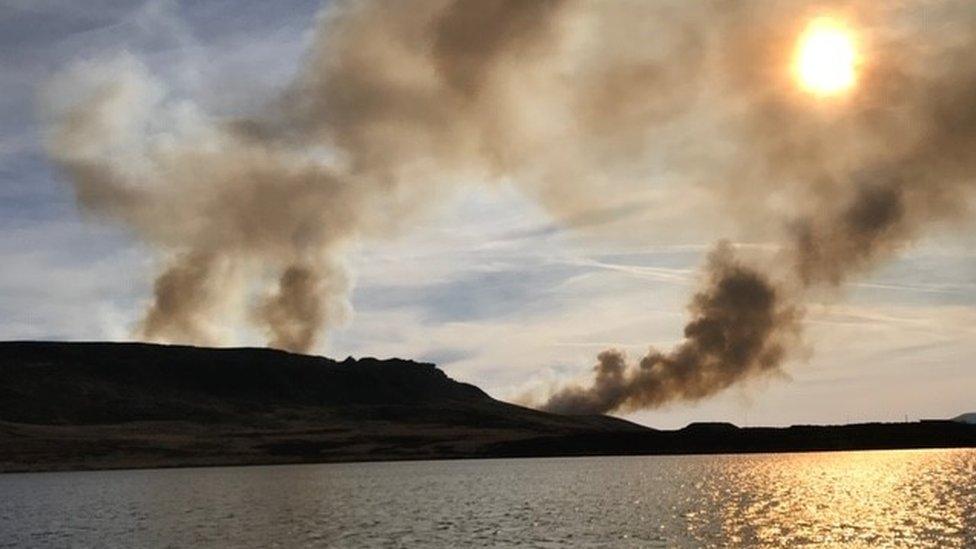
(583, 104)
(740, 327)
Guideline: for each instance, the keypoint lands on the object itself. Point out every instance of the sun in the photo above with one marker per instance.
(826, 57)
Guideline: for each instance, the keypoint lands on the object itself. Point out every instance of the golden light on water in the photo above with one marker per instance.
(906, 498)
(826, 57)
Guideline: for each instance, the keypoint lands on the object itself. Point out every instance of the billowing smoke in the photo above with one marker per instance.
(395, 103)
(740, 327)
(585, 105)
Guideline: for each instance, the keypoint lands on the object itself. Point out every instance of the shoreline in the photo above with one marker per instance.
(513, 449)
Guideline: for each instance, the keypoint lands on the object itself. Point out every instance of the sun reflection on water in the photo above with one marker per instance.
(861, 499)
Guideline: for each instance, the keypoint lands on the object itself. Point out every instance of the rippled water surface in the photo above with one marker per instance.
(901, 498)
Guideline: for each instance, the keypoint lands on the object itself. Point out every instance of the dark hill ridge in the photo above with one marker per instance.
(110, 405)
(97, 383)
(111, 382)
(966, 418)
(96, 405)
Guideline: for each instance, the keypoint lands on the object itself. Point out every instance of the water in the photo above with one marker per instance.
(900, 498)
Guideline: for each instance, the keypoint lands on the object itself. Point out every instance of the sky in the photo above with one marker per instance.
(489, 284)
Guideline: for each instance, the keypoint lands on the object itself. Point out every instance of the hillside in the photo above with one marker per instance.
(92, 405)
(121, 405)
(966, 418)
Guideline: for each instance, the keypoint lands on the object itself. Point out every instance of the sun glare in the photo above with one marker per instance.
(826, 59)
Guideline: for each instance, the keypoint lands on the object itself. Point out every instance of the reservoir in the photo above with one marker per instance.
(912, 498)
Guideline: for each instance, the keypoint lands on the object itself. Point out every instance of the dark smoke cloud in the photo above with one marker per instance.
(740, 327)
(583, 104)
(182, 291)
(295, 310)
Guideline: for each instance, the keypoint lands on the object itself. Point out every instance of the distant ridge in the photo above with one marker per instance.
(966, 418)
(122, 405)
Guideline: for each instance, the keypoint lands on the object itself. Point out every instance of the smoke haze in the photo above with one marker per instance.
(583, 105)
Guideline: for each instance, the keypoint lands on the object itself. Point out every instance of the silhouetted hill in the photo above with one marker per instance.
(108, 405)
(81, 383)
(84, 405)
(966, 418)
